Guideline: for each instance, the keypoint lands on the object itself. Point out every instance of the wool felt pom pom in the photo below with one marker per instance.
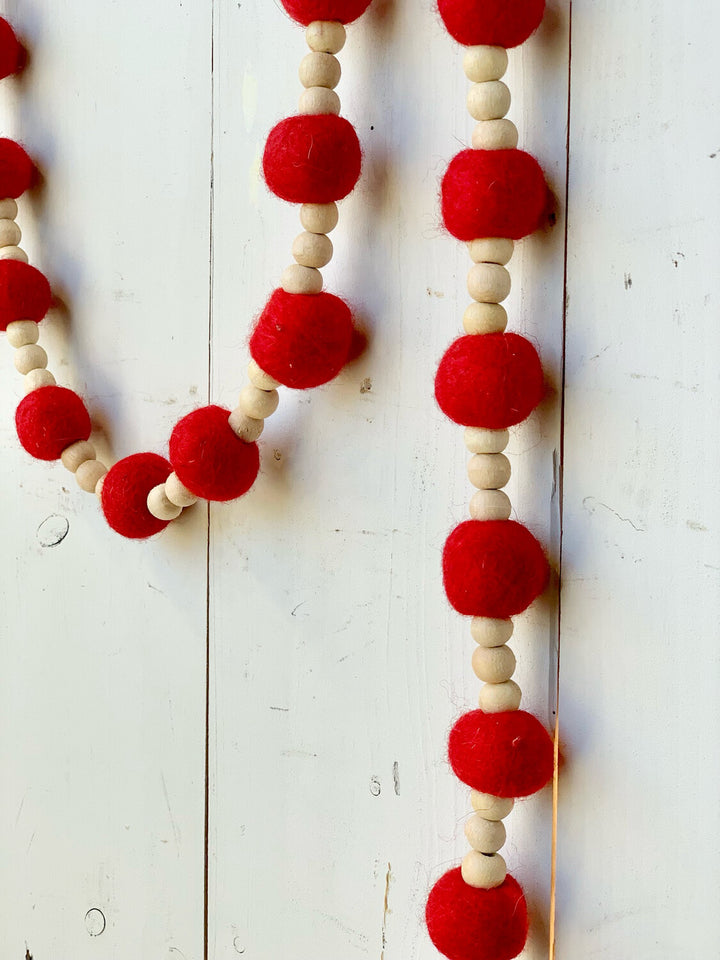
(467, 923)
(49, 419)
(312, 158)
(302, 340)
(493, 193)
(24, 293)
(508, 754)
(492, 23)
(12, 54)
(305, 11)
(492, 380)
(209, 458)
(493, 568)
(16, 169)
(124, 494)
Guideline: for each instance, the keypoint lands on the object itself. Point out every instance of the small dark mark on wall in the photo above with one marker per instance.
(28, 955)
(53, 530)
(396, 778)
(366, 385)
(628, 281)
(94, 922)
(385, 912)
(375, 786)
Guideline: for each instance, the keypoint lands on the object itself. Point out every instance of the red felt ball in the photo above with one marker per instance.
(493, 568)
(49, 419)
(507, 754)
(11, 53)
(24, 293)
(493, 193)
(467, 923)
(492, 380)
(16, 169)
(124, 494)
(312, 158)
(494, 23)
(305, 11)
(302, 340)
(209, 457)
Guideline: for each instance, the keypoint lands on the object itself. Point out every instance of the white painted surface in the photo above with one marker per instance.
(335, 666)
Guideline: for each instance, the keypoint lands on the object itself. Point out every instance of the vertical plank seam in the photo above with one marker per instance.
(561, 469)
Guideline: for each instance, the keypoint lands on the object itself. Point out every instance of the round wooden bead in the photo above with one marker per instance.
(22, 332)
(319, 100)
(312, 249)
(493, 664)
(299, 279)
(489, 100)
(495, 135)
(485, 63)
(319, 217)
(485, 836)
(247, 428)
(485, 318)
(160, 505)
(13, 253)
(490, 505)
(488, 632)
(30, 357)
(325, 36)
(491, 250)
(10, 234)
(258, 404)
(481, 870)
(492, 808)
(38, 378)
(89, 473)
(488, 282)
(499, 697)
(319, 70)
(177, 493)
(99, 486)
(488, 471)
(77, 453)
(484, 440)
(260, 379)
(8, 209)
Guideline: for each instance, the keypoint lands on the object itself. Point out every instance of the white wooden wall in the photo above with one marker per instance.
(229, 741)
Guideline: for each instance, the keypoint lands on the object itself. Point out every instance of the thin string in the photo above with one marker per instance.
(553, 854)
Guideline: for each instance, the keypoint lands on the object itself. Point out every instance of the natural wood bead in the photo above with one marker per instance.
(484, 440)
(177, 493)
(30, 357)
(488, 471)
(160, 506)
(256, 403)
(38, 378)
(485, 318)
(491, 250)
(485, 63)
(493, 664)
(490, 505)
(8, 209)
(485, 836)
(99, 486)
(319, 100)
(299, 279)
(22, 332)
(325, 36)
(488, 282)
(13, 253)
(489, 807)
(77, 453)
(312, 249)
(247, 428)
(89, 473)
(500, 697)
(488, 632)
(489, 100)
(10, 234)
(319, 217)
(495, 135)
(260, 379)
(319, 70)
(483, 871)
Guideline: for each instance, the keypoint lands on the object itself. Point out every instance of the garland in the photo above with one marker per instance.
(302, 338)
(493, 567)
